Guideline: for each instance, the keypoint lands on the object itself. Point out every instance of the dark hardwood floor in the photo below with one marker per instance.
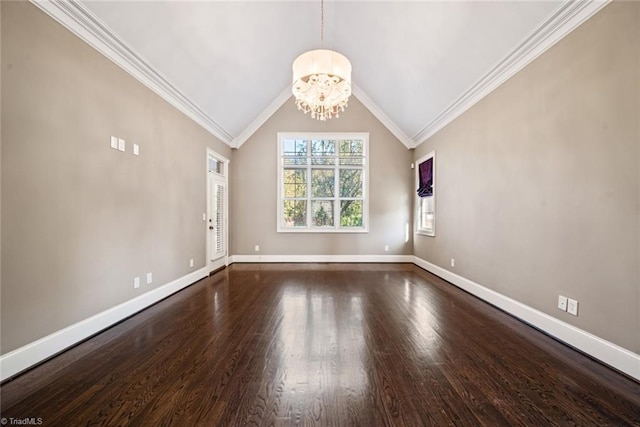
(322, 344)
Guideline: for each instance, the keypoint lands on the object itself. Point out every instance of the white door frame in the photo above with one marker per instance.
(223, 261)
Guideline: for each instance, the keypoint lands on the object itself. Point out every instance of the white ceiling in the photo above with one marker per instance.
(411, 59)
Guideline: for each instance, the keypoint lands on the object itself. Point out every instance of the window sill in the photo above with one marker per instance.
(322, 230)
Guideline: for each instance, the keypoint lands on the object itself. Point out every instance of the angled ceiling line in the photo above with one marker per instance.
(382, 117)
(262, 118)
(88, 27)
(567, 17)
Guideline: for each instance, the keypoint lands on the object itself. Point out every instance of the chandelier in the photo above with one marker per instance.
(321, 80)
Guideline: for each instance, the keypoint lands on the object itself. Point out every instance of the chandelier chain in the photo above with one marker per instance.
(322, 23)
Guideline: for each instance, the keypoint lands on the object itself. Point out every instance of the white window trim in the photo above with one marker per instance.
(418, 204)
(323, 135)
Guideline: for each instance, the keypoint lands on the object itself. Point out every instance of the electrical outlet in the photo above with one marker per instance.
(136, 283)
(136, 150)
(386, 248)
(149, 278)
(572, 306)
(191, 262)
(114, 142)
(453, 262)
(257, 248)
(121, 144)
(562, 303)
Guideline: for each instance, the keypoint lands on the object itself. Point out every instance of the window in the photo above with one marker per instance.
(215, 165)
(425, 181)
(322, 182)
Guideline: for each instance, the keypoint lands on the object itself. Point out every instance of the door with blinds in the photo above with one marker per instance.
(217, 212)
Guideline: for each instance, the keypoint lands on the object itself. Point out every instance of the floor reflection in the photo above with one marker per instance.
(322, 341)
(423, 329)
(220, 299)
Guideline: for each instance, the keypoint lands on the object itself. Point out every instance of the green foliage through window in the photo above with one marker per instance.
(323, 183)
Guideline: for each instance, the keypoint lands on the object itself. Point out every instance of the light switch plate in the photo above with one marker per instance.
(114, 142)
(121, 144)
(562, 303)
(149, 278)
(136, 149)
(136, 282)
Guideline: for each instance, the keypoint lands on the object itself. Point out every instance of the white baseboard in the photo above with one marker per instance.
(613, 355)
(321, 258)
(29, 355)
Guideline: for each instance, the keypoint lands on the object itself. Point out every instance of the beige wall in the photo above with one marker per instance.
(81, 220)
(254, 189)
(538, 185)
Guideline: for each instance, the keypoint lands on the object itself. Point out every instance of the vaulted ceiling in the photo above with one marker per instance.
(416, 64)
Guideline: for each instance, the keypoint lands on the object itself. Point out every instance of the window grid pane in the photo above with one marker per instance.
(322, 213)
(426, 214)
(323, 148)
(294, 161)
(295, 148)
(351, 213)
(351, 148)
(295, 183)
(322, 182)
(295, 213)
(351, 182)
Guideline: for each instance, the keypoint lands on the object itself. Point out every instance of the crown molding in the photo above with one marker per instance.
(84, 24)
(382, 117)
(262, 118)
(562, 21)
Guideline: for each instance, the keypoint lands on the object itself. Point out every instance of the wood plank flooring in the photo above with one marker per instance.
(326, 345)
